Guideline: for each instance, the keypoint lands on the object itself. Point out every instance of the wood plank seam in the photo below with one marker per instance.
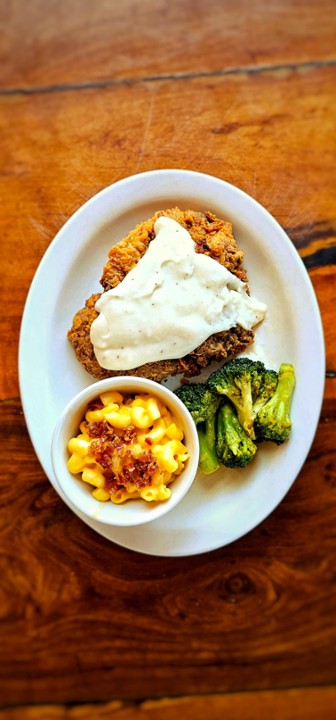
(163, 702)
(222, 72)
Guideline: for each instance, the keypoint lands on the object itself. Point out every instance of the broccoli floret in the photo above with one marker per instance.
(240, 380)
(273, 419)
(234, 447)
(202, 404)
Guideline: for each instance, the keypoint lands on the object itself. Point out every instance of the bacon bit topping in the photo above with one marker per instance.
(96, 404)
(102, 429)
(98, 429)
(112, 451)
(140, 470)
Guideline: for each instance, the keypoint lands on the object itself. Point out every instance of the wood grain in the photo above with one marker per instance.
(84, 619)
(57, 43)
(294, 704)
(264, 134)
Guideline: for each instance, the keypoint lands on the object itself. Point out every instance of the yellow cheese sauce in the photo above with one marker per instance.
(169, 303)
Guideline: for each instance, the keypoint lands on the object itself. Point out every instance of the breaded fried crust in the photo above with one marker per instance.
(212, 237)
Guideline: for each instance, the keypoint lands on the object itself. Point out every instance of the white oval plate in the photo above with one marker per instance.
(225, 506)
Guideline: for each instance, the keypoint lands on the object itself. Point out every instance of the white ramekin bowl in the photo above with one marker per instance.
(79, 494)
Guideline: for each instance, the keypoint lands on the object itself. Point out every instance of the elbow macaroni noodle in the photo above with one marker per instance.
(129, 446)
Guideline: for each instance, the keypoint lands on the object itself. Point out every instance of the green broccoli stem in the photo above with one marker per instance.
(286, 383)
(282, 398)
(208, 460)
(234, 446)
(284, 392)
(210, 429)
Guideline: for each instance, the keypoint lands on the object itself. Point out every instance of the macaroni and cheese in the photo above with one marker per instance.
(129, 446)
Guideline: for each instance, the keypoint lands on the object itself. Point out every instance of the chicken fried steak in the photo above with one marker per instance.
(212, 236)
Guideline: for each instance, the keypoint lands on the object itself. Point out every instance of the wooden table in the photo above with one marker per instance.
(91, 93)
